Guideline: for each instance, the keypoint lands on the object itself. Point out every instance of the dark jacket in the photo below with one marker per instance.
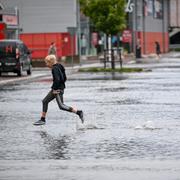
(59, 77)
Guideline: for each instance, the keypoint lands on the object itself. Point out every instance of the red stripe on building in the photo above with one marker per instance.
(40, 42)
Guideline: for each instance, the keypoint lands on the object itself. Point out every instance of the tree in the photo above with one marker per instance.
(108, 16)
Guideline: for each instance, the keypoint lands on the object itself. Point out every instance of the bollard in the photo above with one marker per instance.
(112, 59)
(120, 58)
(105, 58)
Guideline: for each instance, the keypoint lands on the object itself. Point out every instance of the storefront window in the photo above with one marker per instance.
(153, 8)
(148, 7)
(11, 34)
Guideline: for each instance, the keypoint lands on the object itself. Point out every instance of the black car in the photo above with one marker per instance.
(15, 57)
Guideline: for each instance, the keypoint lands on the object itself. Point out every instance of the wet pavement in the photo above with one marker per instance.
(12, 78)
(131, 129)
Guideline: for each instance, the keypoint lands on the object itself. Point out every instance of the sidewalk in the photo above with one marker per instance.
(167, 60)
(126, 62)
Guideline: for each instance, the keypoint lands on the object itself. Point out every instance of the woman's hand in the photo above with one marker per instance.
(56, 92)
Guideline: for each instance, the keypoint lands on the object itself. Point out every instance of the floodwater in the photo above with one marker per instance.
(131, 128)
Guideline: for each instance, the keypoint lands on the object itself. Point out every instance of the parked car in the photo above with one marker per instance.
(15, 57)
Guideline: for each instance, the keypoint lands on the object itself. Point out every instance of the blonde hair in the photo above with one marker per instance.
(50, 59)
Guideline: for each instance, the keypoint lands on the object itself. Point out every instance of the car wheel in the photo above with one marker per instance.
(29, 71)
(19, 73)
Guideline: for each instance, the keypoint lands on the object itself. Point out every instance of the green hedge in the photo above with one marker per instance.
(121, 70)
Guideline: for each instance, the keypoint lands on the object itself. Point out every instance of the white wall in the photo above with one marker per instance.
(43, 16)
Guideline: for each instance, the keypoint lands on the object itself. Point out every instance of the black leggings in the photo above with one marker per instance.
(59, 98)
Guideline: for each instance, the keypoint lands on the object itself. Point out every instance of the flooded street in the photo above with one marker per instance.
(131, 128)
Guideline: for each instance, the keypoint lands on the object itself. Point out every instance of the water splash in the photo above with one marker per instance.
(86, 126)
(148, 125)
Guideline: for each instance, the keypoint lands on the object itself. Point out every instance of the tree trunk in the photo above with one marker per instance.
(111, 52)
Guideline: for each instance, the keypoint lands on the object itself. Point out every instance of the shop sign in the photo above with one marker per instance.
(126, 36)
(129, 6)
(10, 20)
(94, 38)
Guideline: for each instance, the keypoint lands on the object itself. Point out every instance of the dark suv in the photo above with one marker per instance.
(14, 57)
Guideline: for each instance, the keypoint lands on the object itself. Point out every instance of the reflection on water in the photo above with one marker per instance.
(57, 147)
(99, 76)
(86, 126)
(137, 118)
(112, 89)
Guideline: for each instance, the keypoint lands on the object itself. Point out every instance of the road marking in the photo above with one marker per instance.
(21, 79)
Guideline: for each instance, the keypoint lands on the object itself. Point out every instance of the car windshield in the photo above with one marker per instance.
(7, 49)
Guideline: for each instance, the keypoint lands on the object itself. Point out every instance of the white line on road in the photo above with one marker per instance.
(7, 81)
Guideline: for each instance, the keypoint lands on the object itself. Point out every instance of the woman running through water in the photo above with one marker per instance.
(57, 90)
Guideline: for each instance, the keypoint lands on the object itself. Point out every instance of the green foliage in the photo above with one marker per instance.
(108, 16)
(120, 70)
(175, 49)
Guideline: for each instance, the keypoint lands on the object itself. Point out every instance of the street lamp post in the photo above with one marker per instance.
(72, 32)
(79, 30)
(134, 27)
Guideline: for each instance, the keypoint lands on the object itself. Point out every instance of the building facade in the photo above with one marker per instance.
(148, 22)
(9, 22)
(174, 23)
(40, 22)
